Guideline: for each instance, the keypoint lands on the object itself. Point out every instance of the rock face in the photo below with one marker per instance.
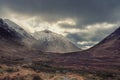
(48, 41)
(110, 46)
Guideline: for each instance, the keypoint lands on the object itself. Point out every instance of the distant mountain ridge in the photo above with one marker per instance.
(48, 41)
(45, 41)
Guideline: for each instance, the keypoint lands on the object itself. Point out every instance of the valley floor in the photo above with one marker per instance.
(20, 73)
(26, 72)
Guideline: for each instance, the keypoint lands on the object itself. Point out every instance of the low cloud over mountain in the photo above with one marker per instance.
(68, 17)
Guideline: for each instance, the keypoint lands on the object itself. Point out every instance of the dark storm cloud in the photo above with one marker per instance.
(86, 11)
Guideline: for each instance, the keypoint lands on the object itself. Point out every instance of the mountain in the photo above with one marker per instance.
(106, 51)
(48, 41)
(15, 41)
(108, 47)
(13, 32)
(102, 60)
(103, 57)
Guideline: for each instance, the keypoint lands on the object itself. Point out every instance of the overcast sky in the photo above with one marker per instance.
(85, 22)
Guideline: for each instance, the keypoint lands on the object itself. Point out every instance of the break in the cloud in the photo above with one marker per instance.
(85, 22)
(91, 34)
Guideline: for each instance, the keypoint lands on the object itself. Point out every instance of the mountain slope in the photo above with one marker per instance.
(15, 42)
(48, 41)
(110, 46)
(13, 32)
